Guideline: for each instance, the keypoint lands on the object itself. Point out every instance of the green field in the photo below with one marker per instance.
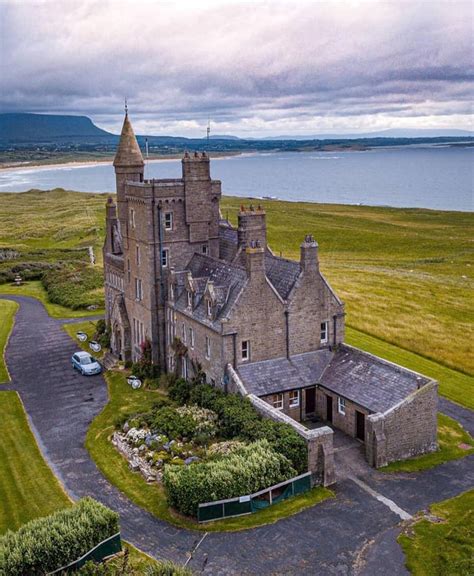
(405, 274)
(7, 314)
(443, 544)
(28, 488)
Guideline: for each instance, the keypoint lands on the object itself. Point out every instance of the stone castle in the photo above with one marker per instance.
(205, 294)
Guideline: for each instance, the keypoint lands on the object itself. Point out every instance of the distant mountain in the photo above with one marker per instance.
(223, 137)
(390, 133)
(23, 127)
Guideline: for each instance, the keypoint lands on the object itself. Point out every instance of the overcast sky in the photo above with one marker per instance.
(253, 68)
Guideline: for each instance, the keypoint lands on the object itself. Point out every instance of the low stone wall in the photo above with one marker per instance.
(136, 462)
(318, 441)
(406, 430)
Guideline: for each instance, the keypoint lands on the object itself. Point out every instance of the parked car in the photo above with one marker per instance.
(85, 363)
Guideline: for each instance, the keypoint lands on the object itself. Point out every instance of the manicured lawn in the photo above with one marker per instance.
(35, 290)
(89, 328)
(454, 385)
(445, 547)
(124, 400)
(450, 435)
(28, 488)
(7, 314)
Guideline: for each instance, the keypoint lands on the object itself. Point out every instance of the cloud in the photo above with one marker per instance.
(253, 68)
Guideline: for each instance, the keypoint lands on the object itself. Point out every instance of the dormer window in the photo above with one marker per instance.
(168, 220)
(190, 299)
(209, 308)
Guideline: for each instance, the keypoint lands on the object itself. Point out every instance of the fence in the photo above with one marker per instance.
(104, 549)
(254, 502)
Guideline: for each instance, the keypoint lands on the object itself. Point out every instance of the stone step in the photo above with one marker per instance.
(109, 360)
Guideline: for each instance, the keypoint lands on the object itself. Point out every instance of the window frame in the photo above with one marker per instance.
(168, 228)
(245, 343)
(278, 401)
(190, 299)
(165, 258)
(208, 348)
(324, 329)
(132, 218)
(341, 405)
(291, 401)
(191, 338)
(209, 307)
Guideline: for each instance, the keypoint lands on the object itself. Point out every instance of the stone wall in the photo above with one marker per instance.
(408, 429)
(345, 422)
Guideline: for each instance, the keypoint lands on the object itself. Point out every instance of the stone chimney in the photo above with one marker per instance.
(252, 227)
(255, 260)
(309, 254)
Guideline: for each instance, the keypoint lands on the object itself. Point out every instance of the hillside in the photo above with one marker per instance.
(24, 127)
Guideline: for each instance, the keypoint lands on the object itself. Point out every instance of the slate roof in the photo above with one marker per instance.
(128, 151)
(362, 378)
(228, 279)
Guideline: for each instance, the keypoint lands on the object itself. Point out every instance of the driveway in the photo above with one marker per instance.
(352, 534)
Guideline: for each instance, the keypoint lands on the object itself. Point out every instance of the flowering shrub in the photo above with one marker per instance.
(239, 419)
(206, 420)
(224, 448)
(247, 470)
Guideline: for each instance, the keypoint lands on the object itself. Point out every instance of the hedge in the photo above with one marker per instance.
(46, 544)
(239, 419)
(247, 470)
(75, 286)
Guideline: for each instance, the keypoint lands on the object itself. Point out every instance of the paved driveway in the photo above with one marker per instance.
(352, 534)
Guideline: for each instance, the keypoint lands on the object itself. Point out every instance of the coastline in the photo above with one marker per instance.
(25, 166)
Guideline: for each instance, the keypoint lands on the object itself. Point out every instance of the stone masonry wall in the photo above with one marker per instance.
(406, 430)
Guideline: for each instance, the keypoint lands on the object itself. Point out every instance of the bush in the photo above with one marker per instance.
(238, 418)
(168, 421)
(244, 471)
(124, 566)
(144, 368)
(102, 333)
(46, 544)
(75, 286)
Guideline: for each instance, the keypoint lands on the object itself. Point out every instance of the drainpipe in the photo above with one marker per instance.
(334, 328)
(162, 284)
(234, 343)
(287, 322)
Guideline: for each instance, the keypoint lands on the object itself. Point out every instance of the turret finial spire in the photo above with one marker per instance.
(126, 107)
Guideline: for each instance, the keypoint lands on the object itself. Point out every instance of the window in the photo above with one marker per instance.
(132, 217)
(128, 271)
(171, 292)
(138, 289)
(341, 405)
(278, 401)
(184, 367)
(208, 347)
(324, 332)
(138, 255)
(209, 308)
(164, 257)
(183, 333)
(245, 350)
(294, 398)
(171, 362)
(190, 299)
(205, 249)
(191, 337)
(168, 221)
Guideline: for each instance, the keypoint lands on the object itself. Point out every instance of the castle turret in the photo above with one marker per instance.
(129, 166)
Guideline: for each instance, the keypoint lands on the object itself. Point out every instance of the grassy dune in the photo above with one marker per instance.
(28, 488)
(405, 274)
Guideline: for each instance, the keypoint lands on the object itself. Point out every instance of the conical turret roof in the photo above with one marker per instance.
(128, 152)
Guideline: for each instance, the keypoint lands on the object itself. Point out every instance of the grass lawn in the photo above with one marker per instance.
(445, 547)
(450, 435)
(35, 290)
(89, 328)
(124, 400)
(7, 314)
(454, 385)
(28, 488)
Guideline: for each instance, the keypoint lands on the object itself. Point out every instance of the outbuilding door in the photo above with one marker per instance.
(328, 408)
(360, 426)
(310, 400)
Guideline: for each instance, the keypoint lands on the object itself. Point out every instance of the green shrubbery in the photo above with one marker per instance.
(244, 471)
(125, 567)
(239, 419)
(75, 286)
(46, 544)
(102, 333)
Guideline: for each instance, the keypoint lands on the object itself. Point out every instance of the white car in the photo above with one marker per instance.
(85, 363)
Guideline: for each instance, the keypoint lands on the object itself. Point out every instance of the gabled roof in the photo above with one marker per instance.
(282, 273)
(128, 151)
